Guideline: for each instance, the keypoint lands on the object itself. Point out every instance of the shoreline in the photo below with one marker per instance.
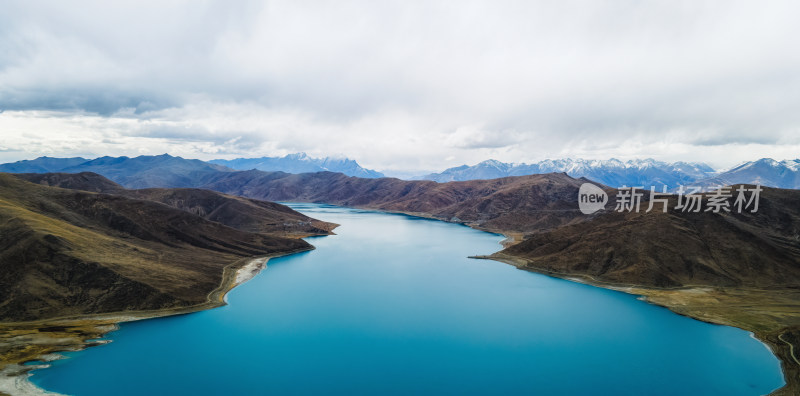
(702, 303)
(236, 274)
(83, 331)
(724, 314)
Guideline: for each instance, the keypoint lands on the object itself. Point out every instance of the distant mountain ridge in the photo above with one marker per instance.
(766, 172)
(512, 205)
(41, 165)
(641, 172)
(144, 171)
(612, 172)
(300, 163)
(167, 171)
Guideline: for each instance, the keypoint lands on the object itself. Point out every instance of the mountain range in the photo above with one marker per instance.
(508, 205)
(611, 172)
(168, 171)
(300, 163)
(645, 173)
(766, 172)
(137, 172)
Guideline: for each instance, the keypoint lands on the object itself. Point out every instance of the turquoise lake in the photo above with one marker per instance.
(392, 305)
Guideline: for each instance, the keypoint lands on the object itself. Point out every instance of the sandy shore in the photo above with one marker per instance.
(36, 341)
(14, 381)
(250, 270)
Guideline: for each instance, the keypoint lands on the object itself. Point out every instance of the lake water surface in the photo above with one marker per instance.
(392, 305)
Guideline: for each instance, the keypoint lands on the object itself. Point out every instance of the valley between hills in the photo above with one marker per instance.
(740, 270)
(734, 269)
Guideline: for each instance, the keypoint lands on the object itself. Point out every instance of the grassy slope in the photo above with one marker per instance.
(71, 252)
(241, 213)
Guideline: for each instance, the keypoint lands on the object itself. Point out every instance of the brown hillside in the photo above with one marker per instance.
(511, 204)
(65, 253)
(241, 213)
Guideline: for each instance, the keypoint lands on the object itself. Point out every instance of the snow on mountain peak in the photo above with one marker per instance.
(494, 163)
(793, 164)
(301, 163)
(612, 172)
(301, 156)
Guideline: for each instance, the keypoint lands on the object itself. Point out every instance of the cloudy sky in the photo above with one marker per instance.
(404, 85)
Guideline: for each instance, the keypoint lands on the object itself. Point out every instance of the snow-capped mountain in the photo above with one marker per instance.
(300, 163)
(766, 172)
(612, 172)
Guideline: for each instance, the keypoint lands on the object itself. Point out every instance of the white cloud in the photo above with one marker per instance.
(414, 85)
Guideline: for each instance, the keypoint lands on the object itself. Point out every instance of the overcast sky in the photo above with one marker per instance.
(407, 85)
